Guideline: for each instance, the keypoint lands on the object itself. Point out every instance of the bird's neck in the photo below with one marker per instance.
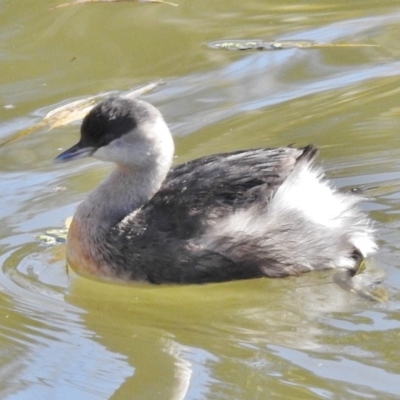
(125, 190)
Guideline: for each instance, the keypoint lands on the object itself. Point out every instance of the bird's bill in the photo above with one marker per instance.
(74, 153)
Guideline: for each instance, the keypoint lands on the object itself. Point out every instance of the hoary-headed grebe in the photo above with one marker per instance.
(239, 215)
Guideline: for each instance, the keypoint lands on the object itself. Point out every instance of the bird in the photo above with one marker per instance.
(251, 213)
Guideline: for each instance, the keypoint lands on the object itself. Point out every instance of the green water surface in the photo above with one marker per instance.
(66, 337)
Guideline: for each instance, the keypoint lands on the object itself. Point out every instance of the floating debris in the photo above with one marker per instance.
(260, 45)
(55, 236)
(73, 3)
(365, 282)
(75, 111)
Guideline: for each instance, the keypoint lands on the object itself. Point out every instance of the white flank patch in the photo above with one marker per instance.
(305, 192)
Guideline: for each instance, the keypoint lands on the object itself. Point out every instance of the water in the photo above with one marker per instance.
(65, 337)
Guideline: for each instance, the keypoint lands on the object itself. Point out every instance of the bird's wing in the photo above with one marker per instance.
(198, 192)
(231, 178)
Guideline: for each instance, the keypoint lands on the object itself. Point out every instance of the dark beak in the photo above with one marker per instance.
(75, 152)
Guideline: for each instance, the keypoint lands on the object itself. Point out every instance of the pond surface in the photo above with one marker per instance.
(66, 337)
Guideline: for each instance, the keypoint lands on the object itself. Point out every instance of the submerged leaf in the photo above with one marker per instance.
(24, 132)
(260, 45)
(75, 111)
(72, 3)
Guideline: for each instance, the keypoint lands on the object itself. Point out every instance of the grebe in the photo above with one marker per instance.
(239, 215)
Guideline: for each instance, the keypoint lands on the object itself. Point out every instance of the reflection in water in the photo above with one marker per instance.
(343, 370)
(53, 353)
(181, 338)
(257, 81)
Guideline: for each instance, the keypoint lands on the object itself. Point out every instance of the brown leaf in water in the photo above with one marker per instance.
(69, 113)
(72, 3)
(75, 111)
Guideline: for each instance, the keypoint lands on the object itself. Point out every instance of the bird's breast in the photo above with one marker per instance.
(80, 252)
